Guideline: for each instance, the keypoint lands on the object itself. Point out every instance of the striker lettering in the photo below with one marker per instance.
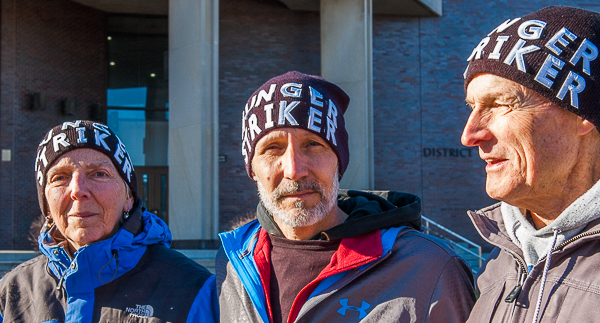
(127, 168)
(517, 54)
(568, 85)
(314, 117)
(254, 128)
(589, 52)
(499, 42)
(61, 139)
(269, 114)
(477, 51)
(81, 139)
(285, 112)
(548, 70)
(100, 139)
(120, 152)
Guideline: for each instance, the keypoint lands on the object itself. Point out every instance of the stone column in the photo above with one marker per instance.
(346, 60)
(193, 119)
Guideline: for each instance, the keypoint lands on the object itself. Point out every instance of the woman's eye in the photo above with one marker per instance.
(100, 174)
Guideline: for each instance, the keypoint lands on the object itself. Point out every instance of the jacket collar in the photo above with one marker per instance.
(138, 231)
(490, 226)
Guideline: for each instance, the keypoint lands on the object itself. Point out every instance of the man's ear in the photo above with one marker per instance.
(252, 174)
(584, 126)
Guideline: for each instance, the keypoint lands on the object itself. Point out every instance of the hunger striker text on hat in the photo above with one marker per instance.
(551, 54)
(292, 90)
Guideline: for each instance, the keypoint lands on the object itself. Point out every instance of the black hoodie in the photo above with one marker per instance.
(367, 211)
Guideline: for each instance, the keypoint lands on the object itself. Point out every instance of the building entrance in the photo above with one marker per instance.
(138, 102)
(153, 189)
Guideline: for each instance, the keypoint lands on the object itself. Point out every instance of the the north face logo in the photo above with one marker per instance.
(361, 310)
(140, 311)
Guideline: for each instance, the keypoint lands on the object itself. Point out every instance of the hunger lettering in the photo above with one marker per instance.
(251, 127)
(549, 71)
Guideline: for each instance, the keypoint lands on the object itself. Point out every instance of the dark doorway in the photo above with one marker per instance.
(153, 189)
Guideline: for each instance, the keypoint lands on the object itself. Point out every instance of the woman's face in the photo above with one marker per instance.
(86, 196)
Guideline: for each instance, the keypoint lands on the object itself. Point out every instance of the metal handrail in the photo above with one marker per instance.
(478, 255)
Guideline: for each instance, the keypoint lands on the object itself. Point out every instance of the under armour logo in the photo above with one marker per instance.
(361, 309)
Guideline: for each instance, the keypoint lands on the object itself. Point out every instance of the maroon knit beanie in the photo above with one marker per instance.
(81, 134)
(296, 100)
(553, 51)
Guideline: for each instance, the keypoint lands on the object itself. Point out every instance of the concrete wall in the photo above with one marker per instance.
(193, 119)
(56, 47)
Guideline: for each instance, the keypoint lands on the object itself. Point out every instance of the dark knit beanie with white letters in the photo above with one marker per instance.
(553, 51)
(81, 134)
(296, 100)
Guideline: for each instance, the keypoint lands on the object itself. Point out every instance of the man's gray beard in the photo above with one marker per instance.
(299, 215)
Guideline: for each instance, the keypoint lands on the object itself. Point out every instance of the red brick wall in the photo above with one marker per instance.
(58, 47)
(418, 96)
(52, 46)
(257, 40)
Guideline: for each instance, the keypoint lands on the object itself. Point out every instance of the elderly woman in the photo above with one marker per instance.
(104, 257)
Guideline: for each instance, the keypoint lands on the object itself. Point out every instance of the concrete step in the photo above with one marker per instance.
(205, 258)
(17, 255)
(471, 259)
(9, 259)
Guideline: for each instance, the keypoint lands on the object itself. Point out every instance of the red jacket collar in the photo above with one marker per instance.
(353, 252)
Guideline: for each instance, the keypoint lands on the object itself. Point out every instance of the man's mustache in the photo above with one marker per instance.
(292, 187)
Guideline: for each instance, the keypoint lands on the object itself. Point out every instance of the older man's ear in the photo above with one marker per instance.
(584, 126)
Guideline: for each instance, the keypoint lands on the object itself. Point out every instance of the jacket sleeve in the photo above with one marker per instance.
(1, 319)
(205, 307)
(453, 296)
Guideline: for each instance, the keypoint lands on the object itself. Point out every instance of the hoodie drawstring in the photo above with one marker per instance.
(115, 256)
(545, 273)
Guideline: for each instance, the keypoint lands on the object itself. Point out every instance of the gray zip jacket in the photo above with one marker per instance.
(508, 293)
(392, 274)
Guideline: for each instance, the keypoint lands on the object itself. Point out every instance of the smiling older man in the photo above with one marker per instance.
(532, 86)
(313, 256)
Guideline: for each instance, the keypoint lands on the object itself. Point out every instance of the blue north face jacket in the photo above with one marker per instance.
(132, 276)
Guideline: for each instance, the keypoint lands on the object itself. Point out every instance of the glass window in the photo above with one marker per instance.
(138, 92)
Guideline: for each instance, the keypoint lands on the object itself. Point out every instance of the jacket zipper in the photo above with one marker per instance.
(579, 236)
(573, 239)
(338, 286)
(514, 293)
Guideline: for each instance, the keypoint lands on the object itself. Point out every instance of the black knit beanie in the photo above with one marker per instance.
(553, 51)
(81, 134)
(296, 100)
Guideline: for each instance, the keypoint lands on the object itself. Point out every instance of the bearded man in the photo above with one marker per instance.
(319, 255)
